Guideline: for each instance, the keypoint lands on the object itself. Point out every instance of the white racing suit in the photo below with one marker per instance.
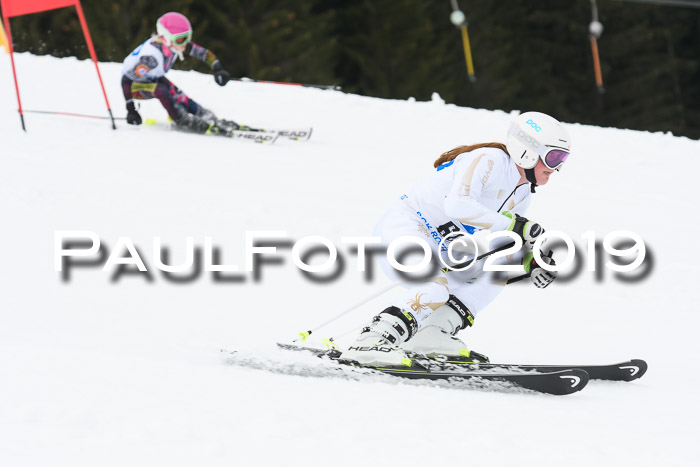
(466, 195)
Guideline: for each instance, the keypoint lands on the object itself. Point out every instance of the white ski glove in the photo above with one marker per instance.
(540, 277)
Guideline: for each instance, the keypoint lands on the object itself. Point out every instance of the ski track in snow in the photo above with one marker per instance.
(106, 372)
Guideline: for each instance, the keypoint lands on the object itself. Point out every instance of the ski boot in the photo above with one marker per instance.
(195, 124)
(206, 115)
(378, 343)
(436, 337)
(192, 124)
(226, 126)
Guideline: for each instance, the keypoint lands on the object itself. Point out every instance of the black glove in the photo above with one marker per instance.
(538, 275)
(132, 116)
(527, 230)
(221, 76)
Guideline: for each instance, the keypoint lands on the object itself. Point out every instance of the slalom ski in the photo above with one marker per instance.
(295, 134)
(562, 382)
(263, 137)
(629, 370)
(557, 382)
(299, 134)
(623, 371)
(244, 133)
(270, 136)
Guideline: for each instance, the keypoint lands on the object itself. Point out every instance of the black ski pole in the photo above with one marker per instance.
(480, 257)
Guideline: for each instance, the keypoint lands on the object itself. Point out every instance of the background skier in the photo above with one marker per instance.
(143, 76)
(484, 186)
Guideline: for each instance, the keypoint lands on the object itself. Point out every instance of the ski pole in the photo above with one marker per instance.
(330, 343)
(480, 257)
(319, 86)
(72, 114)
(517, 278)
(305, 334)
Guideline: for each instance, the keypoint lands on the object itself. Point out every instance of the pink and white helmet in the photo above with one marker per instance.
(175, 29)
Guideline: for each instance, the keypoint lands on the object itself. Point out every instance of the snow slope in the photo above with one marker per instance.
(96, 372)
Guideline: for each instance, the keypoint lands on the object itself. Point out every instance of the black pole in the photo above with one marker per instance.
(114, 126)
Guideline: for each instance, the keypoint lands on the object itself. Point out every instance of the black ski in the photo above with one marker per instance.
(623, 371)
(557, 383)
(562, 382)
(629, 370)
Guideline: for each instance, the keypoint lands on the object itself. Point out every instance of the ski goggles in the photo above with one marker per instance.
(180, 39)
(552, 157)
(555, 158)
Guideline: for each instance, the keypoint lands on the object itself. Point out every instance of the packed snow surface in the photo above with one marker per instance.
(97, 370)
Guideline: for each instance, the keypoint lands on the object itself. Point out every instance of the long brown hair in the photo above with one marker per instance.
(453, 153)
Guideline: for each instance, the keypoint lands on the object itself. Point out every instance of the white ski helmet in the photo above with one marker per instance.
(534, 136)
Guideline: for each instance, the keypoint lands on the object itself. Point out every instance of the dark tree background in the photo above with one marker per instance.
(528, 55)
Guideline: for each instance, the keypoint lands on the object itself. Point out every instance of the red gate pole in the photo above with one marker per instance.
(88, 39)
(6, 20)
